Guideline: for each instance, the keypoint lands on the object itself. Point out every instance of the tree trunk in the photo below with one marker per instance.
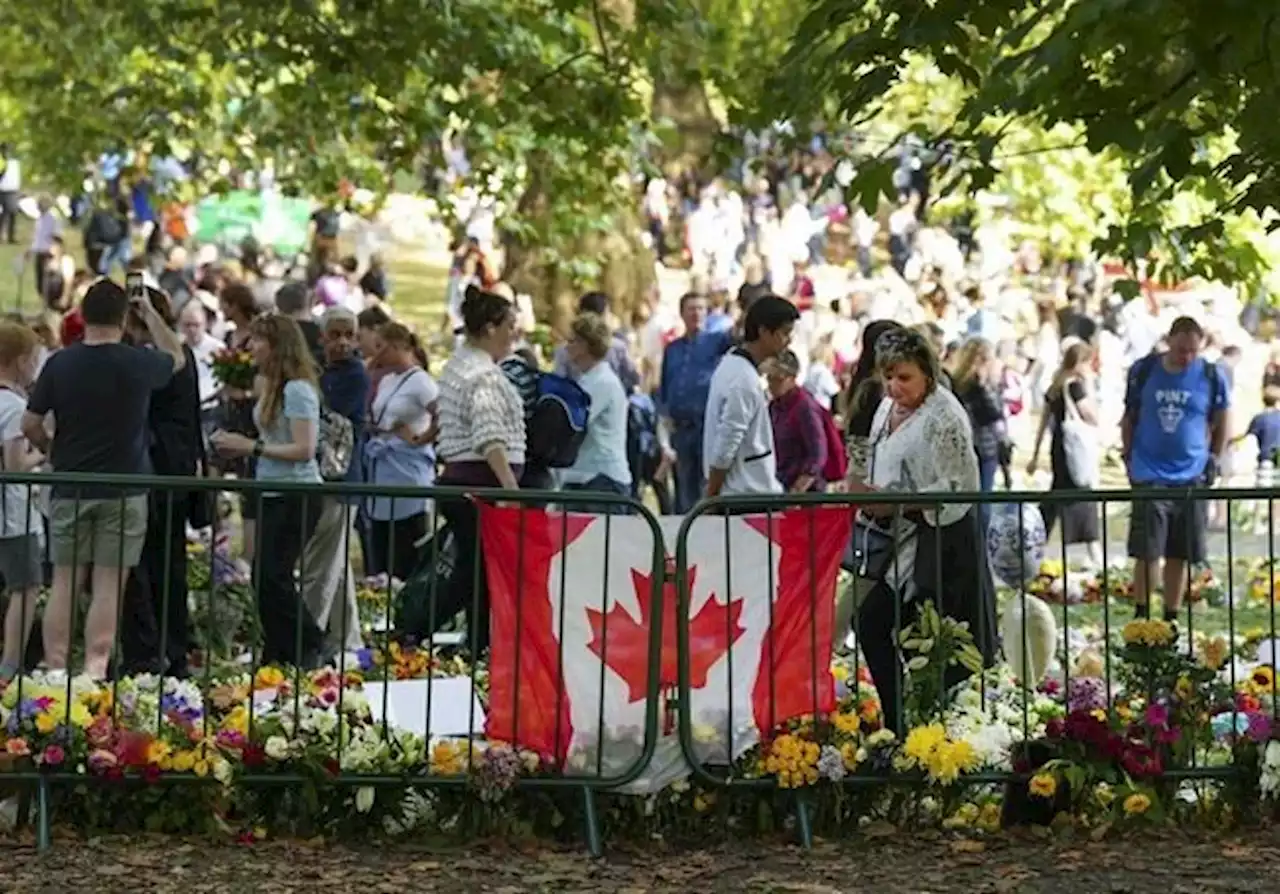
(680, 97)
(626, 265)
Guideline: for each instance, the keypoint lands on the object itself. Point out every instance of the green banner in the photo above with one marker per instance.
(274, 221)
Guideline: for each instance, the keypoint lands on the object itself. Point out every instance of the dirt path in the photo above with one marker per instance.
(902, 864)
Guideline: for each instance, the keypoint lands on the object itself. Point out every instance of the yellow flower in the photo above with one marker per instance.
(81, 716)
(46, 722)
(268, 678)
(1214, 654)
(1043, 785)
(949, 760)
(702, 801)
(183, 761)
(201, 768)
(989, 818)
(158, 751)
(922, 741)
(869, 710)
(966, 815)
(1099, 714)
(237, 720)
(1152, 632)
(1263, 679)
(1183, 688)
(446, 758)
(839, 672)
(1136, 804)
(846, 723)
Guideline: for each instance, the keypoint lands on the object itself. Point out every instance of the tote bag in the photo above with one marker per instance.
(1080, 443)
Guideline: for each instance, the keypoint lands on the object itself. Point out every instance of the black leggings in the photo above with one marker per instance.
(284, 527)
(878, 641)
(393, 545)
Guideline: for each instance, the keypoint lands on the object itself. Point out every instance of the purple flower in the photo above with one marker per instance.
(1157, 717)
(1085, 694)
(1259, 727)
(365, 657)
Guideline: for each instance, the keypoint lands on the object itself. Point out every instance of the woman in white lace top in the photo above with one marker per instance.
(921, 441)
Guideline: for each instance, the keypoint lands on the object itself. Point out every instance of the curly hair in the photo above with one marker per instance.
(289, 359)
(908, 346)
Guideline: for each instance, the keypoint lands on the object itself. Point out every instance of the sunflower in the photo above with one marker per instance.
(1263, 678)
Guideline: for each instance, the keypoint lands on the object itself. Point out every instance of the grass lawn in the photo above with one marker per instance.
(418, 287)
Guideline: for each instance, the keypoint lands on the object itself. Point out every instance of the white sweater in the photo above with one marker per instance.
(737, 432)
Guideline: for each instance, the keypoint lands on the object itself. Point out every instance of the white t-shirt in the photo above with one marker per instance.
(11, 179)
(404, 399)
(16, 516)
(821, 383)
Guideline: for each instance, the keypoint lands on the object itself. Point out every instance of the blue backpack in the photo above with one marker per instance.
(557, 423)
(644, 453)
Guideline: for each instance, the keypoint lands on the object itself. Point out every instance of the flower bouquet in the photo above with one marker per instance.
(234, 368)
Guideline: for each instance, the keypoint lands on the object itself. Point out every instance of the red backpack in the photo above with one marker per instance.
(837, 465)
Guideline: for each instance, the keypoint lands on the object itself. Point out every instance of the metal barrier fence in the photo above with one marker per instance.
(1161, 523)
(264, 719)
(256, 706)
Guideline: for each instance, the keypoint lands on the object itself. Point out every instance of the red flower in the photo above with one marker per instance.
(253, 755)
(1141, 761)
(332, 767)
(115, 774)
(151, 773)
(1054, 728)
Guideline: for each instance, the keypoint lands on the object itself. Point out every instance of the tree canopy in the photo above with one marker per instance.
(1176, 97)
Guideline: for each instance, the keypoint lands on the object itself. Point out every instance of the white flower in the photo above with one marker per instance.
(680, 786)
(277, 748)
(364, 799)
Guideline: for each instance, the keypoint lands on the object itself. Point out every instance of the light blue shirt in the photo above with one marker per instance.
(301, 401)
(1174, 410)
(604, 451)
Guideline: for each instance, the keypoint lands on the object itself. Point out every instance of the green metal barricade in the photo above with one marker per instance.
(275, 736)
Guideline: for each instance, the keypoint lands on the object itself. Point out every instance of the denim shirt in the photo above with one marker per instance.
(687, 367)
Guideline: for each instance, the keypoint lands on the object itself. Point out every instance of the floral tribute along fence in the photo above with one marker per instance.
(670, 677)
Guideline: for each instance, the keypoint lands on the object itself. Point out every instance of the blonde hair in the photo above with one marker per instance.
(1077, 353)
(290, 359)
(17, 340)
(592, 330)
(968, 359)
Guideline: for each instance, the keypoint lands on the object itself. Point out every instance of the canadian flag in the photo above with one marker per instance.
(573, 601)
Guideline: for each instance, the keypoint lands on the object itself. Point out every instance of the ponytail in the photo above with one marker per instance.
(419, 353)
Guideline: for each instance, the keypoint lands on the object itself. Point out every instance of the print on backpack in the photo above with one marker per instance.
(558, 422)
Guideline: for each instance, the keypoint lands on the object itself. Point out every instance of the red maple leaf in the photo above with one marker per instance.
(622, 643)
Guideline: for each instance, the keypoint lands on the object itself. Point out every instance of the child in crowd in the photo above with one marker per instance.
(21, 550)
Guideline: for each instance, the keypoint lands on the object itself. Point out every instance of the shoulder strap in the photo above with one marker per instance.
(399, 385)
(1145, 367)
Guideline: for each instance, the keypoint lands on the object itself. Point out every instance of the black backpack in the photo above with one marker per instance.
(557, 422)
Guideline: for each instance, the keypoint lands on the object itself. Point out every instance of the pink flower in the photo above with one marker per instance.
(43, 703)
(230, 738)
(101, 760)
(328, 697)
(17, 747)
(53, 756)
(1157, 716)
(99, 732)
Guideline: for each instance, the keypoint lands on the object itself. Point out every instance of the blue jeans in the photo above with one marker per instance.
(987, 469)
(600, 484)
(686, 441)
(115, 254)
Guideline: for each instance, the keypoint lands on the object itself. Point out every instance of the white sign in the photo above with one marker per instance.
(455, 710)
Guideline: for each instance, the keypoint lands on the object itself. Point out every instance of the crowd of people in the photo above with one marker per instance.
(773, 373)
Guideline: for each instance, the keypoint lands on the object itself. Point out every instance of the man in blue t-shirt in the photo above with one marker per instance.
(1174, 431)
